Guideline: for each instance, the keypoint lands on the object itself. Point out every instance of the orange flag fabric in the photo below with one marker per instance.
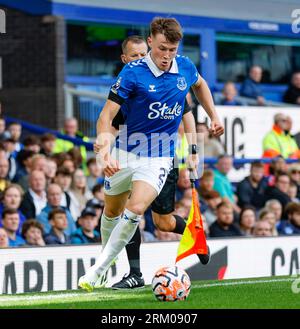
(193, 240)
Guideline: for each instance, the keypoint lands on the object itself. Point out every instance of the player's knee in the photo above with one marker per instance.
(137, 208)
(112, 213)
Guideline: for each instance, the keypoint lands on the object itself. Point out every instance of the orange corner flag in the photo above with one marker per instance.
(193, 240)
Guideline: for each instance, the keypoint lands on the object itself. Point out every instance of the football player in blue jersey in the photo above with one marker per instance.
(154, 90)
(135, 47)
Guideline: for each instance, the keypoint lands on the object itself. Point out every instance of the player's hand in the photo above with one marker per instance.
(192, 162)
(96, 148)
(110, 166)
(216, 128)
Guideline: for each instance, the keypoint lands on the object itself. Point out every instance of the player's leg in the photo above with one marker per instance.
(163, 207)
(147, 181)
(134, 279)
(141, 197)
(114, 207)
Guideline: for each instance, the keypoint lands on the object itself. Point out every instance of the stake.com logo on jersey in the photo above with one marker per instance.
(157, 110)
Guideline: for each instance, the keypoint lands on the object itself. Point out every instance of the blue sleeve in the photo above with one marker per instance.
(194, 74)
(76, 240)
(125, 83)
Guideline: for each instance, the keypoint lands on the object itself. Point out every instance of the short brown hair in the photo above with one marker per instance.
(208, 173)
(134, 39)
(9, 211)
(291, 208)
(47, 137)
(257, 164)
(31, 223)
(56, 211)
(208, 195)
(224, 204)
(169, 27)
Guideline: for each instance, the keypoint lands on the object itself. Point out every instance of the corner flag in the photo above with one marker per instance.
(193, 240)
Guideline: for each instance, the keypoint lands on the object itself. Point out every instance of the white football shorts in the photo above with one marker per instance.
(154, 171)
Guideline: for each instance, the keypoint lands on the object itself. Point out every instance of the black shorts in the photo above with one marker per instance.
(165, 202)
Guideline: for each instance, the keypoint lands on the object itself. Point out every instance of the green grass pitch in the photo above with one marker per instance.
(264, 293)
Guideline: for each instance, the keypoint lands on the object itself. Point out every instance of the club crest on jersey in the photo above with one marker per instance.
(181, 83)
(107, 185)
(116, 86)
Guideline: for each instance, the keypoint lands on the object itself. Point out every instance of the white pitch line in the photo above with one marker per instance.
(71, 295)
(236, 283)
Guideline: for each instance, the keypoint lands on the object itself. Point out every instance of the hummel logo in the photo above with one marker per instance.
(151, 88)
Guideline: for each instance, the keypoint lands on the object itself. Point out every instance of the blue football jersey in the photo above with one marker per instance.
(153, 104)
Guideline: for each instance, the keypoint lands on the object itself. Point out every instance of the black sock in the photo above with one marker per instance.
(180, 224)
(133, 253)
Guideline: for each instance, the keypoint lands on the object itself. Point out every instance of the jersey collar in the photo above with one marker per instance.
(156, 71)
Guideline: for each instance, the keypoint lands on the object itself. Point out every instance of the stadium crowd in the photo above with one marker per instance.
(52, 192)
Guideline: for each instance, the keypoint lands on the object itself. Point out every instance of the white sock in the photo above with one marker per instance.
(107, 225)
(120, 236)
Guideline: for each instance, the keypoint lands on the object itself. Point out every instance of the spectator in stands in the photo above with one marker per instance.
(59, 223)
(12, 197)
(68, 163)
(229, 95)
(251, 86)
(280, 190)
(206, 182)
(86, 233)
(15, 131)
(292, 192)
(3, 133)
(278, 165)
(3, 238)
(212, 147)
(212, 200)
(8, 146)
(51, 170)
(38, 162)
(54, 196)
(223, 226)
(183, 183)
(11, 224)
(79, 193)
(64, 179)
(95, 173)
(292, 94)
(222, 183)
(32, 231)
(97, 205)
(279, 141)
(145, 235)
(35, 198)
(270, 217)
(292, 225)
(251, 190)
(276, 207)
(32, 143)
(71, 129)
(4, 168)
(262, 228)
(247, 220)
(294, 173)
(23, 159)
(98, 192)
(48, 144)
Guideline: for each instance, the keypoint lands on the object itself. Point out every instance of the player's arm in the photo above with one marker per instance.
(106, 136)
(191, 136)
(204, 97)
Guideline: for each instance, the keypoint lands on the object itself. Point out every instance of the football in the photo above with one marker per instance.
(170, 284)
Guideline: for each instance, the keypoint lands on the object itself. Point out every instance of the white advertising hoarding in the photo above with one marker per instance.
(59, 267)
